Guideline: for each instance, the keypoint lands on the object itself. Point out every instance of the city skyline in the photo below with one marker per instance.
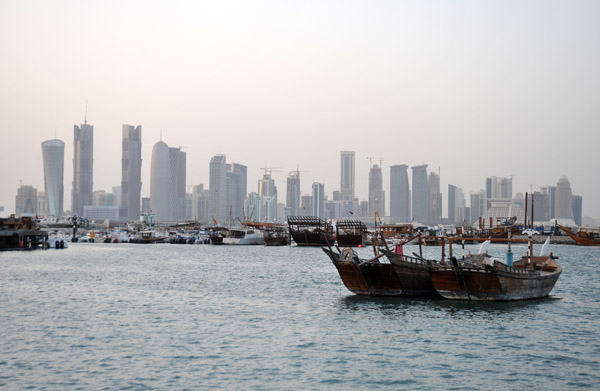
(556, 201)
(451, 85)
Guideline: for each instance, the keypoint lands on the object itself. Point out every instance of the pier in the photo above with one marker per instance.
(21, 235)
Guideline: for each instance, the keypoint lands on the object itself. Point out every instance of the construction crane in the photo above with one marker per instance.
(269, 170)
(531, 187)
(371, 158)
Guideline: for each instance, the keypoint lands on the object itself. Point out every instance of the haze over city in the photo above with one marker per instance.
(474, 89)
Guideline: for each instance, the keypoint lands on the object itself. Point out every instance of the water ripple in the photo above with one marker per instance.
(116, 316)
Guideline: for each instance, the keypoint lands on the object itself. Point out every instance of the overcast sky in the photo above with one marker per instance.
(476, 88)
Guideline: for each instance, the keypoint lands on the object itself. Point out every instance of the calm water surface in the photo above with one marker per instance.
(125, 316)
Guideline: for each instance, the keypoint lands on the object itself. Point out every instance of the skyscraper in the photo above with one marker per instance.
(577, 208)
(399, 193)
(131, 173)
(218, 189)
(167, 183)
(420, 195)
(541, 210)
(564, 203)
(293, 193)
(53, 153)
(347, 175)
(83, 168)
(376, 193)
(160, 182)
(236, 175)
(452, 206)
(267, 191)
(477, 205)
(318, 200)
(435, 199)
(178, 180)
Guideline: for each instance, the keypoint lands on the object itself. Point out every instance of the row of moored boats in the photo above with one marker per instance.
(470, 277)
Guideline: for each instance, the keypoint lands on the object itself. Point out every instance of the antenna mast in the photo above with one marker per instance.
(85, 118)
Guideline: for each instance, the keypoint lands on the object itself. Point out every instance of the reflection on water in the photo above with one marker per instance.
(420, 306)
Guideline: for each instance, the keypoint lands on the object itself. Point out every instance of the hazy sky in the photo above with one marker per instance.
(478, 88)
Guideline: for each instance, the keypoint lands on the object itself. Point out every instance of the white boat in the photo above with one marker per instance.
(244, 236)
(57, 240)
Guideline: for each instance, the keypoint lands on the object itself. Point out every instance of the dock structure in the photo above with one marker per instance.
(21, 234)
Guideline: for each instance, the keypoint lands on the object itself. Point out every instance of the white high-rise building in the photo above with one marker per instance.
(167, 183)
(53, 153)
(293, 193)
(131, 173)
(160, 182)
(83, 168)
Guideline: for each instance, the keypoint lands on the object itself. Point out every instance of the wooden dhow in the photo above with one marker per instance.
(413, 271)
(479, 277)
(583, 237)
(365, 277)
(388, 273)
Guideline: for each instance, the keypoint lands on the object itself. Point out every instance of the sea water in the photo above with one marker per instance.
(131, 316)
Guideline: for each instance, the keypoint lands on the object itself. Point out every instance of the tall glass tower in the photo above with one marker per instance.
(83, 168)
(53, 153)
(131, 173)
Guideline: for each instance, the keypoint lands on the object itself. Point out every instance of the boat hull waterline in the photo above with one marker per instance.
(497, 283)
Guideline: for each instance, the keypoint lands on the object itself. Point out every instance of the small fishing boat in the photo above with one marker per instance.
(274, 234)
(479, 277)
(276, 237)
(216, 234)
(584, 236)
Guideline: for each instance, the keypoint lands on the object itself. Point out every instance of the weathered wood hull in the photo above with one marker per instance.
(500, 283)
(370, 279)
(413, 274)
(350, 240)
